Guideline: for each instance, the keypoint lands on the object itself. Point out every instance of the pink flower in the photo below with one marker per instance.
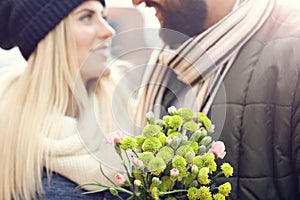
(218, 149)
(172, 110)
(120, 179)
(138, 163)
(174, 172)
(169, 140)
(149, 115)
(212, 128)
(114, 137)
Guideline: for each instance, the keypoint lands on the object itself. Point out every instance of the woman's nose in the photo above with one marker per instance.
(106, 31)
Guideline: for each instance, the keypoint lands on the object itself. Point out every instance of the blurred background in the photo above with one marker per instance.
(140, 20)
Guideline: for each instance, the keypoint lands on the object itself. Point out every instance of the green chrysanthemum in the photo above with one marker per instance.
(189, 179)
(162, 138)
(166, 156)
(139, 140)
(219, 196)
(175, 122)
(151, 144)
(155, 193)
(193, 193)
(186, 114)
(194, 146)
(209, 161)
(167, 119)
(182, 173)
(128, 143)
(203, 176)
(225, 189)
(151, 130)
(146, 157)
(198, 160)
(178, 162)
(227, 169)
(166, 184)
(156, 166)
(206, 160)
(190, 126)
(160, 122)
(204, 193)
(204, 120)
(183, 150)
(172, 134)
(138, 176)
(167, 149)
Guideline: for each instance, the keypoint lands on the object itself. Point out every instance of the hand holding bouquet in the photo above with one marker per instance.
(173, 158)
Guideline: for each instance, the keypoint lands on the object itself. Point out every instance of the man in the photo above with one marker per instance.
(242, 61)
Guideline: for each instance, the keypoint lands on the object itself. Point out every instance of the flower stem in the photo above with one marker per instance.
(106, 176)
(217, 175)
(172, 192)
(124, 190)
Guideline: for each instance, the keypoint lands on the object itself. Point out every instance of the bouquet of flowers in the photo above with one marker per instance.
(173, 158)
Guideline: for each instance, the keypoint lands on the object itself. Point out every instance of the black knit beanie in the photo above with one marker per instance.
(24, 23)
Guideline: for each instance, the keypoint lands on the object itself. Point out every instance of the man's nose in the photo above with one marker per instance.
(137, 2)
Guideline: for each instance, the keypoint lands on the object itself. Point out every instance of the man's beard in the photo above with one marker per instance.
(186, 18)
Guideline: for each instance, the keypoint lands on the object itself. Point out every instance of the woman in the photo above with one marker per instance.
(46, 104)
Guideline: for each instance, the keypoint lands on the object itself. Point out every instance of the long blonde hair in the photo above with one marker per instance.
(30, 107)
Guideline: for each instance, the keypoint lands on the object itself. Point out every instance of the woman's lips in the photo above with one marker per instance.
(102, 51)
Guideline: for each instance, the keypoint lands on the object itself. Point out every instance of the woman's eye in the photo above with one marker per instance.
(86, 18)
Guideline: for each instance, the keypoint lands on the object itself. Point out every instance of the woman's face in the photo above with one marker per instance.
(92, 35)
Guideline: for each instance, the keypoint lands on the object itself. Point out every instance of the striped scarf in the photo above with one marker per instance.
(201, 63)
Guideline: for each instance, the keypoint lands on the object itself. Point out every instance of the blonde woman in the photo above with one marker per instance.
(44, 105)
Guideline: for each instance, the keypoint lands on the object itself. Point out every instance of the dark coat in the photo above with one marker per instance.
(258, 112)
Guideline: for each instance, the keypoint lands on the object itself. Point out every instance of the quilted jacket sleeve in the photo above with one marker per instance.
(296, 130)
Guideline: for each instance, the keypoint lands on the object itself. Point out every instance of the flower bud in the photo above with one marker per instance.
(120, 178)
(174, 174)
(175, 142)
(196, 135)
(172, 110)
(212, 128)
(201, 149)
(113, 191)
(195, 170)
(194, 183)
(156, 181)
(189, 157)
(169, 140)
(206, 140)
(138, 163)
(203, 133)
(137, 183)
(150, 117)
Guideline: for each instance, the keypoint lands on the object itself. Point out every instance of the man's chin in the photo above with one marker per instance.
(172, 38)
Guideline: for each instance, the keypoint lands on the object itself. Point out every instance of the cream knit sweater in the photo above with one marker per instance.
(70, 158)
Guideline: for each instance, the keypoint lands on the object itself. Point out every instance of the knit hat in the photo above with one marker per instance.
(24, 23)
